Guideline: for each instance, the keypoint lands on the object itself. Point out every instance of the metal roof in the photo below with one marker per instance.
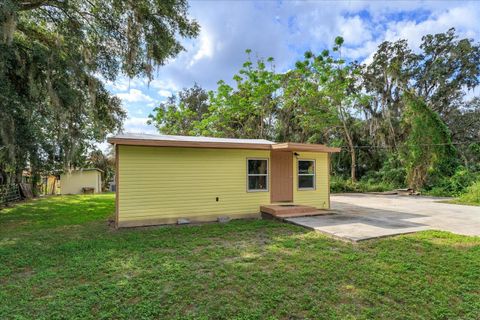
(162, 137)
(159, 140)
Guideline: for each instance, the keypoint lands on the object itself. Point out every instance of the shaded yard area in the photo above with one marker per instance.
(59, 259)
(57, 211)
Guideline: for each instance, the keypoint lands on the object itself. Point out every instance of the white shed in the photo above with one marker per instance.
(73, 182)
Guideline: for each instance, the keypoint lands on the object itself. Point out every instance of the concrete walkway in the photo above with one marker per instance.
(365, 216)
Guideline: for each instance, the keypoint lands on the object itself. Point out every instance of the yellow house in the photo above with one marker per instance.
(74, 181)
(163, 179)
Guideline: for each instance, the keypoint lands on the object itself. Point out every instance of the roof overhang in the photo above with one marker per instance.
(291, 146)
(288, 146)
(189, 144)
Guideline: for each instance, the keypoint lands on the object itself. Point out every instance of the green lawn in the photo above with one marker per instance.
(59, 259)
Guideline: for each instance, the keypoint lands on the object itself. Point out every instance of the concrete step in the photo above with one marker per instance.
(291, 210)
(303, 214)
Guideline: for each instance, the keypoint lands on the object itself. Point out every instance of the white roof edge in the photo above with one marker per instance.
(83, 169)
(160, 137)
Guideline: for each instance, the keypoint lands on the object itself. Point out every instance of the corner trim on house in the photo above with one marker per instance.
(328, 178)
(117, 174)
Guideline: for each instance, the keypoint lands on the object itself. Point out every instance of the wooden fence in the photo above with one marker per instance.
(9, 193)
(14, 192)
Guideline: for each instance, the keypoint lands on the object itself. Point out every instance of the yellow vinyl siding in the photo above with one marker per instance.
(317, 198)
(161, 183)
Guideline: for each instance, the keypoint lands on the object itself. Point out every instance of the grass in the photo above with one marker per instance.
(462, 202)
(59, 259)
(57, 211)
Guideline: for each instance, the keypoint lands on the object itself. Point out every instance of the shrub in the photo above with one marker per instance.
(391, 175)
(472, 195)
(455, 185)
(339, 184)
(393, 172)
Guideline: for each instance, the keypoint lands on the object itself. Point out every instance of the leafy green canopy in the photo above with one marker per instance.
(249, 110)
(105, 162)
(53, 58)
(362, 108)
(439, 74)
(180, 115)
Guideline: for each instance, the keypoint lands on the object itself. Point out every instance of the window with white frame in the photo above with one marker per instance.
(257, 174)
(306, 174)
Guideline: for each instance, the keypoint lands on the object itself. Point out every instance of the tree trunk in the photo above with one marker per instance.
(353, 157)
(8, 27)
(351, 148)
(353, 167)
(18, 176)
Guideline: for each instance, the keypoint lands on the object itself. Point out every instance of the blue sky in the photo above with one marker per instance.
(284, 30)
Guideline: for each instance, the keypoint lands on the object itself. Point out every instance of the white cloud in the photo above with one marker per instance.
(138, 125)
(136, 121)
(134, 95)
(470, 94)
(120, 85)
(437, 19)
(206, 47)
(354, 31)
(367, 50)
(104, 146)
(124, 83)
(464, 19)
(285, 30)
(165, 93)
(164, 84)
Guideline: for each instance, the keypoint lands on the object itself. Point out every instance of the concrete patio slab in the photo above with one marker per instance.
(364, 216)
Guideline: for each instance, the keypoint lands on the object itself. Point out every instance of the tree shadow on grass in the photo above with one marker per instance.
(56, 211)
(252, 269)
